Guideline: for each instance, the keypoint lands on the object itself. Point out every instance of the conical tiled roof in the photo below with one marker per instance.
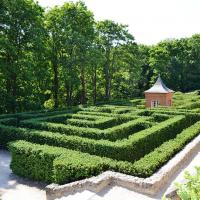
(159, 87)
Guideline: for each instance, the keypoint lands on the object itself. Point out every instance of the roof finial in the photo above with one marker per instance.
(159, 87)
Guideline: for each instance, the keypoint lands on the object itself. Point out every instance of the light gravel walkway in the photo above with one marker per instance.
(13, 187)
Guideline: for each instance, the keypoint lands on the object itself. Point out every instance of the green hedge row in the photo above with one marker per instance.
(125, 116)
(123, 110)
(95, 113)
(3, 116)
(81, 120)
(191, 105)
(102, 123)
(9, 121)
(54, 164)
(159, 117)
(87, 117)
(151, 162)
(170, 111)
(33, 161)
(133, 148)
(106, 109)
(60, 165)
(129, 128)
(36, 114)
(62, 118)
(112, 134)
(145, 141)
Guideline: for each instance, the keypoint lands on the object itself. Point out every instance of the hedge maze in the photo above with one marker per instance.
(68, 145)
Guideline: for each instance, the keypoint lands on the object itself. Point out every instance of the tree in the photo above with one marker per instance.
(177, 61)
(146, 72)
(63, 57)
(126, 71)
(71, 31)
(21, 32)
(111, 36)
(54, 29)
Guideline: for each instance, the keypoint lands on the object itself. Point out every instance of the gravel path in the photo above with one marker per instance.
(13, 187)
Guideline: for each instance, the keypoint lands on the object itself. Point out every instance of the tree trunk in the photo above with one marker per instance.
(8, 91)
(14, 92)
(107, 80)
(55, 83)
(107, 75)
(83, 88)
(94, 86)
(69, 90)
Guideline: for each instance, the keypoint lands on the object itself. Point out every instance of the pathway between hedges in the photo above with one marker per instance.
(13, 187)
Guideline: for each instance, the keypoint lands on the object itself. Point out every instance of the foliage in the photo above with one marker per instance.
(62, 56)
(83, 142)
(191, 189)
(22, 57)
(154, 160)
(50, 59)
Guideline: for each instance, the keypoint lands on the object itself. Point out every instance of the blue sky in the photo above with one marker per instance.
(150, 21)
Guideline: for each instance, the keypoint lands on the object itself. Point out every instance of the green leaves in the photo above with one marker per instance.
(82, 61)
(191, 189)
(22, 36)
(138, 142)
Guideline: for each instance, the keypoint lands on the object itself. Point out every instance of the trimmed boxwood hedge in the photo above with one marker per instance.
(60, 165)
(130, 149)
(142, 142)
(9, 121)
(117, 132)
(151, 162)
(86, 117)
(37, 114)
(101, 123)
(52, 164)
(33, 161)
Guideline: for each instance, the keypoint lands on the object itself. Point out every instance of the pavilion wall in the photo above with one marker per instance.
(165, 99)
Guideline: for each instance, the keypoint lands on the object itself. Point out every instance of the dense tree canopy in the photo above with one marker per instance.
(62, 56)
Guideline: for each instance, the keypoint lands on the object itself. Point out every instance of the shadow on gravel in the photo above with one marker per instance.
(10, 181)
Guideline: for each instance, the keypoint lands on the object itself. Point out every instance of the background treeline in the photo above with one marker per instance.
(62, 56)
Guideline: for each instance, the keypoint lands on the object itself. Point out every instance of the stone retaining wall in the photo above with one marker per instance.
(148, 186)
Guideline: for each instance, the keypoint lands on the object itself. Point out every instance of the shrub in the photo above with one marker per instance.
(73, 166)
(112, 134)
(147, 165)
(52, 164)
(86, 117)
(101, 123)
(191, 189)
(9, 121)
(49, 104)
(33, 161)
(59, 165)
(130, 149)
(145, 141)
(73, 144)
(159, 117)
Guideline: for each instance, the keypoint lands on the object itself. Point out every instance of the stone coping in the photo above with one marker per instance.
(150, 185)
